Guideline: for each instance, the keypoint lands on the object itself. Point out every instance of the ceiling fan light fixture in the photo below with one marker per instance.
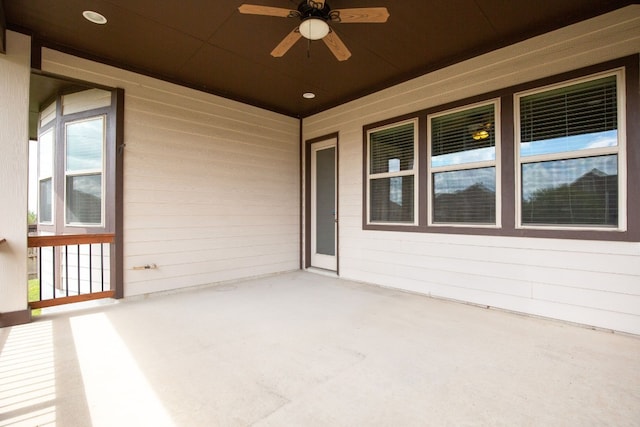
(314, 28)
(480, 134)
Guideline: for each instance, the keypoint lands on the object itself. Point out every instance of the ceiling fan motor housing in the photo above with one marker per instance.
(309, 8)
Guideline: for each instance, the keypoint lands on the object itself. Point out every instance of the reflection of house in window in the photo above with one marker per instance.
(590, 199)
(395, 187)
(474, 204)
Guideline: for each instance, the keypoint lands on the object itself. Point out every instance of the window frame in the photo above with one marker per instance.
(619, 150)
(112, 138)
(415, 172)
(495, 163)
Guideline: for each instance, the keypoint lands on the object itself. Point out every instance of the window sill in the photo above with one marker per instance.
(465, 226)
(569, 228)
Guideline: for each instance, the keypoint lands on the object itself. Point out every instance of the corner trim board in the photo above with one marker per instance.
(118, 248)
(14, 318)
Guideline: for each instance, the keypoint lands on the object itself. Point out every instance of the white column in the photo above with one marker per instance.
(14, 162)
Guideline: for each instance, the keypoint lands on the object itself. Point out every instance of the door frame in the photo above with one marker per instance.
(307, 198)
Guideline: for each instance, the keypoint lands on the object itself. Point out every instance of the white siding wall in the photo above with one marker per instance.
(211, 186)
(14, 142)
(589, 282)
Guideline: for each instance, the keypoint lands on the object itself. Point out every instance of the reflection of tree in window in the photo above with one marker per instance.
(84, 199)
(576, 191)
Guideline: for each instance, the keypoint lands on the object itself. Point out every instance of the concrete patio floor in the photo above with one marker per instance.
(301, 349)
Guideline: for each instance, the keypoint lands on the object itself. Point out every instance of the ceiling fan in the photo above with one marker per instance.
(315, 17)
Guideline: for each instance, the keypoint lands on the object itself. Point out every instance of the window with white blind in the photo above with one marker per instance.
(569, 154)
(391, 173)
(463, 183)
(551, 158)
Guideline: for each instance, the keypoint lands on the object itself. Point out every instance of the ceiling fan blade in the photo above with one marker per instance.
(336, 46)
(254, 9)
(362, 14)
(286, 43)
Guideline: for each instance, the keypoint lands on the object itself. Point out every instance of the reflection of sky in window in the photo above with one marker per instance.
(394, 165)
(45, 146)
(89, 184)
(570, 143)
(552, 174)
(395, 184)
(461, 157)
(454, 181)
(84, 145)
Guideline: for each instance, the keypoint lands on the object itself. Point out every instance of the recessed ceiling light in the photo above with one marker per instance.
(94, 17)
(308, 95)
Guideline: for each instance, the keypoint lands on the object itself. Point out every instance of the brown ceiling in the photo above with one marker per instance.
(209, 45)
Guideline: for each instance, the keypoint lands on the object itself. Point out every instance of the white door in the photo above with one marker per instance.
(324, 205)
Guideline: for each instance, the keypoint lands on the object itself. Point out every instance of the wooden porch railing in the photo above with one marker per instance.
(72, 271)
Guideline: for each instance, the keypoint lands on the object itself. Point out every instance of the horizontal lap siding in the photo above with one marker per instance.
(210, 185)
(588, 282)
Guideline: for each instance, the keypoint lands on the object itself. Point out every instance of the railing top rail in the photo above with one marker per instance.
(69, 239)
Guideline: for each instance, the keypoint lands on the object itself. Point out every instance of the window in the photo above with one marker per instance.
(84, 150)
(75, 148)
(569, 154)
(45, 177)
(551, 158)
(392, 174)
(462, 166)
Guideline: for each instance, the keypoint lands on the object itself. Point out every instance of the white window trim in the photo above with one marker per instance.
(619, 150)
(85, 172)
(464, 166)
(413, 172)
